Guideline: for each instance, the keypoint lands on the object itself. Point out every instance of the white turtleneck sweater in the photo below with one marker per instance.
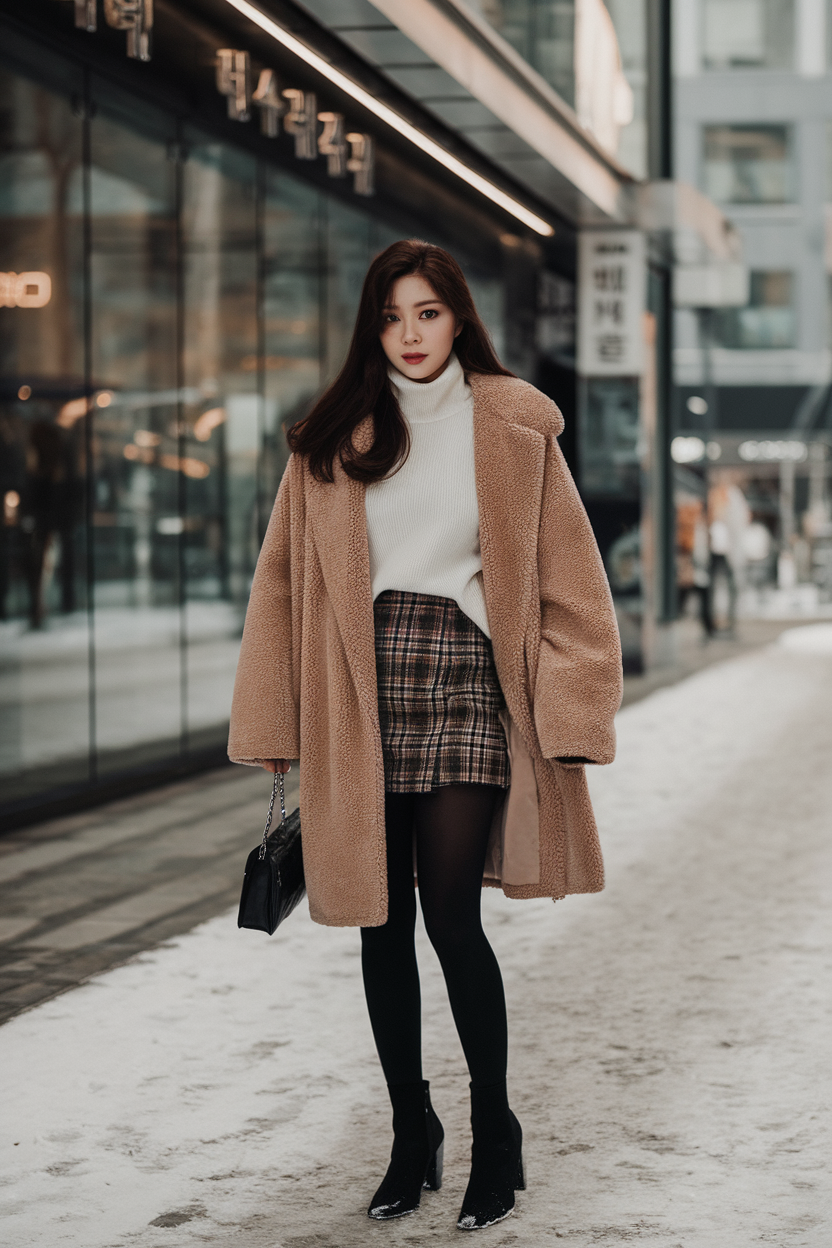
(423, 521)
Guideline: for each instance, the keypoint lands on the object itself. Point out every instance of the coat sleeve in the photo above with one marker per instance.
(578, 685)
(265, 709)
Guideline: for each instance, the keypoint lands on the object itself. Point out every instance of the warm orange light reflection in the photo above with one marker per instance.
(25, 392)
(140, 454)
(144, 437)
(191, 467)
(76, 408)
(208, 422)
(25, 290)
(195, 468)
(72, 411)
(11, 502)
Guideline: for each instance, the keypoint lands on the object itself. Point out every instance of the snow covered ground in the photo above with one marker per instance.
(670, 1036)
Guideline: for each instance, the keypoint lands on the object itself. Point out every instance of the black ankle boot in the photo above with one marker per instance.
(416, 1159)
(496, 1159)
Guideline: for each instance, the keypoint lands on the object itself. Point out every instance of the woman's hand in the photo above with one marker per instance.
(277, 764)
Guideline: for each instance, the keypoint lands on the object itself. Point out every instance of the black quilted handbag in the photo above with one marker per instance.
(273, 883)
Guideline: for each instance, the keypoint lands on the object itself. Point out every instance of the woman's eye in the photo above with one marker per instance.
(430, 313)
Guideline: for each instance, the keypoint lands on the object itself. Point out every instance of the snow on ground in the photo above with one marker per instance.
(811, 639)
(670, 1036)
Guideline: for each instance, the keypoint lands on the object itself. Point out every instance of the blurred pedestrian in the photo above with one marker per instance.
(427, 511)
(46, 517)
(729, 517)
(693, 559)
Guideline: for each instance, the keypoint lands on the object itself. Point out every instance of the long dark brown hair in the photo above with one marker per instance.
(363, 386)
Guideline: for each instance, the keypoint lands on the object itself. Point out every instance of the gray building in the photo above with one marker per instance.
(753, 95)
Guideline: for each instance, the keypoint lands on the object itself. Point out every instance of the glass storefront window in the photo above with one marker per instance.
(543, 32)
(292, 316)
(575, 46)
(629, 18)
(767, 322)
(748, 34)
(349, 250)
(220, 430)
(132, 224)
(748, 164)
(169, 305)
(610, 438)
(44, 627)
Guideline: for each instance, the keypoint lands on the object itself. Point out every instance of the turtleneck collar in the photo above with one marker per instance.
(424, 401)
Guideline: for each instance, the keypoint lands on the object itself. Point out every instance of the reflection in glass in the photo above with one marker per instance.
(768, 320)
(489, 297)
(292, 266)
(748, 34)
(609, 438)
(748, 164)
(543, 32)
(629, 18)
(134, 368)
(44, 640)
(213, 299)
(348, 251)
(221, 429)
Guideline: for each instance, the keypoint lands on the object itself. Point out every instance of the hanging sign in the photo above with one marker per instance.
(234, 82)
(345, 153)
(315, 133)
(302, 121)
(25, 290)
(134, 16)
(611, 303)
(268, 99)
(362, 163)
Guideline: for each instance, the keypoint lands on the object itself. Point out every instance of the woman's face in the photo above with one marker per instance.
(418, 329)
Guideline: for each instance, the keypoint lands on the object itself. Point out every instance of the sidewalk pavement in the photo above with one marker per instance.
(669, 1036)
(81, 894)
(84, 893)
(693, 652)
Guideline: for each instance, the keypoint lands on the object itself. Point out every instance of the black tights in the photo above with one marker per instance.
(450, 829)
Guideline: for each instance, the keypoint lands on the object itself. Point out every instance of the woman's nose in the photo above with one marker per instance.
(411, 333)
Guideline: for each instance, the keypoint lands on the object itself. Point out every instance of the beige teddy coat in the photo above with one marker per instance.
(306, 680)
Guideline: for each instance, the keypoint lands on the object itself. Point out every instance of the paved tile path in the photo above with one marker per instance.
(82, 894)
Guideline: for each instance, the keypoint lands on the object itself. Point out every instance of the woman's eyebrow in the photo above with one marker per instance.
(394, 307)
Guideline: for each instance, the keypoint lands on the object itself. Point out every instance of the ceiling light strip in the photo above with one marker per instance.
(392, 118)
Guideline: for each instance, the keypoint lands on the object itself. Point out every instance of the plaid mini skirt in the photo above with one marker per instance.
(438, 696)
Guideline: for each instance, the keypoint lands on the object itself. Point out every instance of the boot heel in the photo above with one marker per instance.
(520, 1177)
(433, 1177)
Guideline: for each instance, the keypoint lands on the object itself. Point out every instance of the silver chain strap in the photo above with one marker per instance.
(277, 787)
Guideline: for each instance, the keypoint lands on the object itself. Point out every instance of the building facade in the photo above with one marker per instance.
(754, 101)
(190, 197)
(753, 114)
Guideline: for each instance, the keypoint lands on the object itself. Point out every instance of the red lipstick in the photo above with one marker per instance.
(415, 358)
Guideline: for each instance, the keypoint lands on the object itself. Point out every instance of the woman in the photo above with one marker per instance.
(431, 633)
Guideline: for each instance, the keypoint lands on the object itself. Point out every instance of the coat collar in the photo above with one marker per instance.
(509, 461)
